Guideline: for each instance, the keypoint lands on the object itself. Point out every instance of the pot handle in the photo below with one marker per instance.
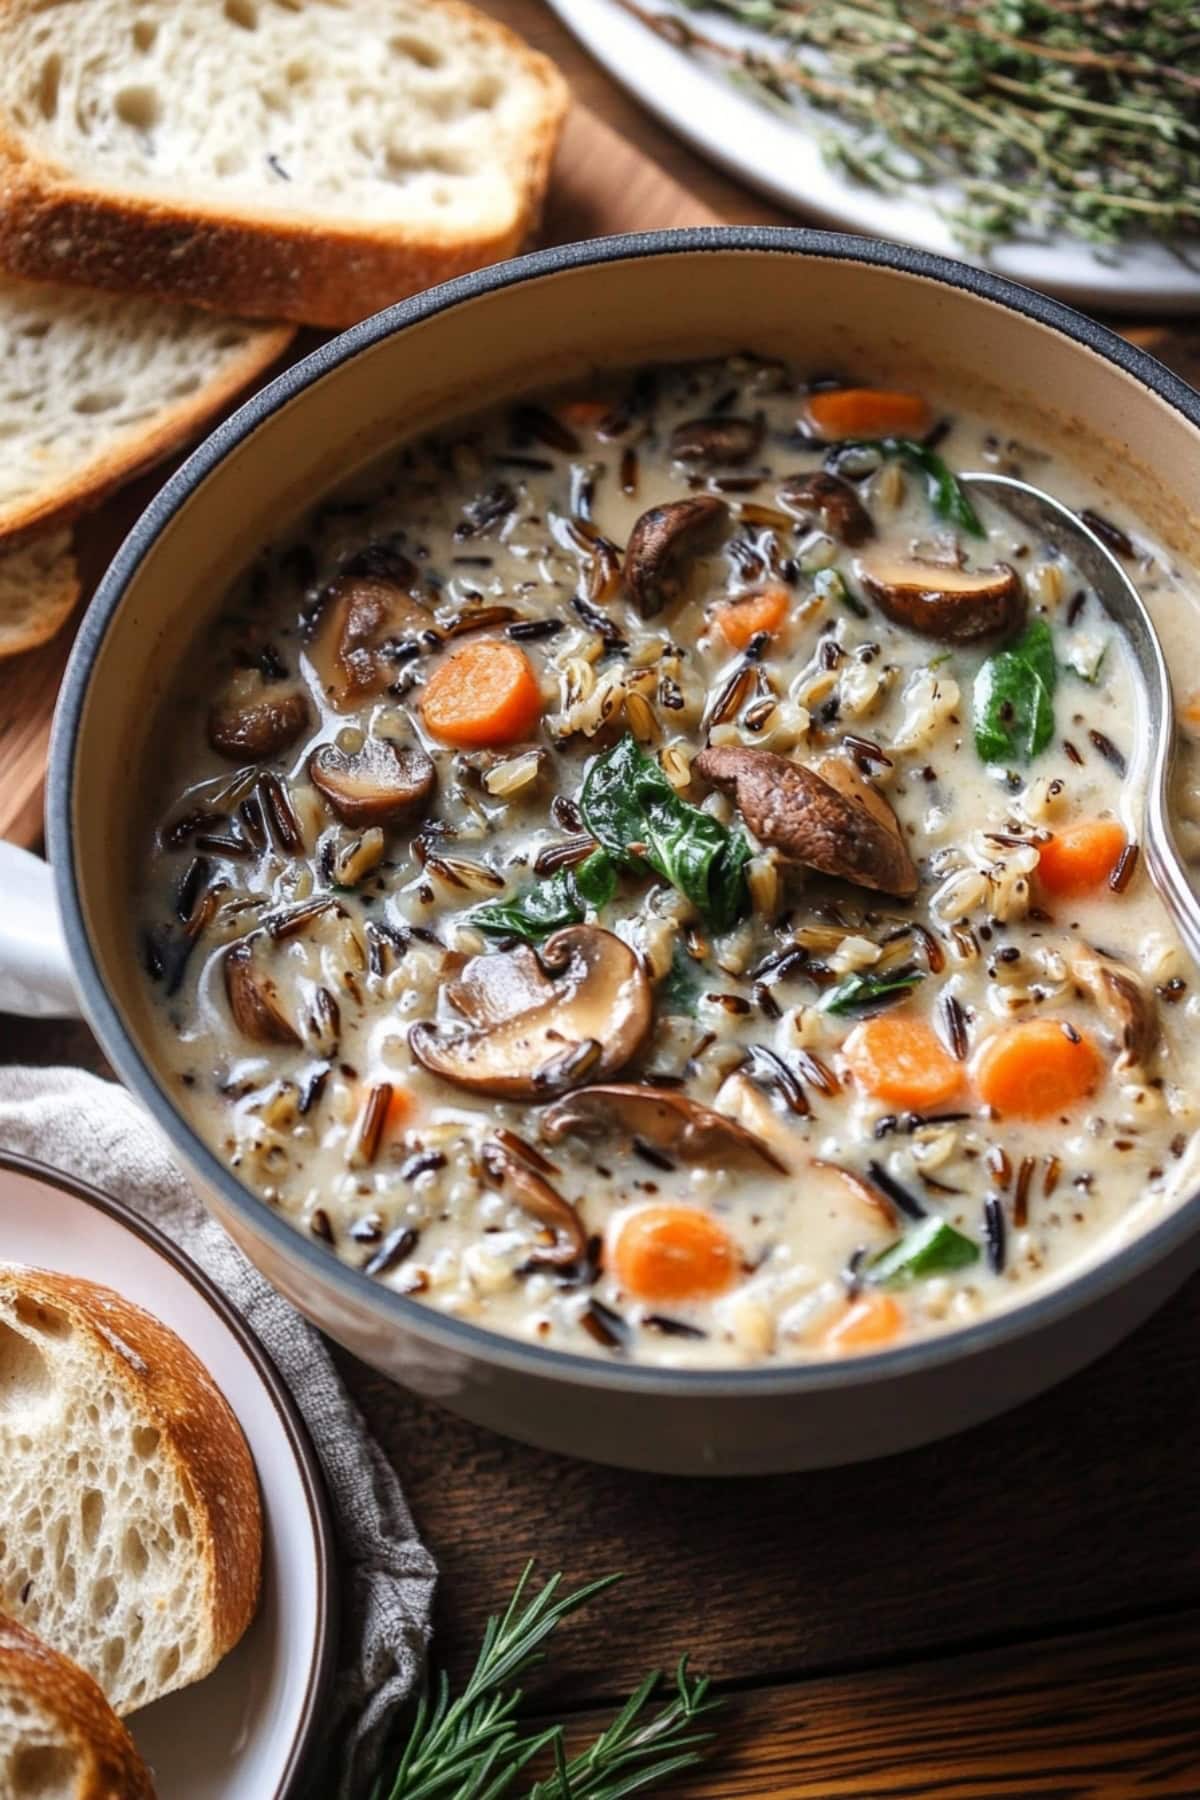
(35, 968)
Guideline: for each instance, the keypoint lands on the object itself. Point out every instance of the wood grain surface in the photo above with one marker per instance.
(1012, 1614)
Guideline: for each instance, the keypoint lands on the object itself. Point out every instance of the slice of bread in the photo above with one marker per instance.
(300, 159)
(93, 389)
(130, 1522)
(39, 586)
(59, 1737)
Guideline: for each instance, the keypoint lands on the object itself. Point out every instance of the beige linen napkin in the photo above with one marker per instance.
(96, 1131)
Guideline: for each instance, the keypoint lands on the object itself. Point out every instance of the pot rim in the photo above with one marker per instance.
(307, 1257)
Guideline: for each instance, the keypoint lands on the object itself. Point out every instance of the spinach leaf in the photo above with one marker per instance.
(562, 900)
(930, 1248)
(1014, 710)
(869, 993)
(627, 801)
(680, 989)
(947, 495)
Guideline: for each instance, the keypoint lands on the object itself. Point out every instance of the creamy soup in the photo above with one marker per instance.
(654, 871)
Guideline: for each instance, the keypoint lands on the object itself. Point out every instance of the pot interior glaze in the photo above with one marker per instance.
(810, 297)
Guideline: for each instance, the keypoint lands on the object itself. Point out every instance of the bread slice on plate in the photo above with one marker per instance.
(39, 586)
(95, 388)
(299, 159)
(130, 1521)
(59, 1737)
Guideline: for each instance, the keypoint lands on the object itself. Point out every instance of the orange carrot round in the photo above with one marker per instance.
(866, 413)
(867, 1323)
(665, 1253)
(585, 415)
(1036, 1068)
(740, 620)
(484, 695)
(901, 1060)
(1080, 858)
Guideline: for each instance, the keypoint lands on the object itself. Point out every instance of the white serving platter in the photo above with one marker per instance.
(252, 1730)
(776, 155)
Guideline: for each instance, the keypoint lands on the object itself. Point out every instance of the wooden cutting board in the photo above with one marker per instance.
(601, 184)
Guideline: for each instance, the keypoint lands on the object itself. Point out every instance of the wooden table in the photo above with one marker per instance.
(1013, 1613)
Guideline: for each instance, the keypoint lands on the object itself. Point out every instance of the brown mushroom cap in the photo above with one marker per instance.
(1127, 1005)
(661, 545)
(717, 442)
(377, 785)
(253, 999)
(493, 988)
(253, 720)
(661, 1117)
(941, 600)
(534, 1195)
(833, 828)
(833, 501)
(358, 614)
(594, 1015)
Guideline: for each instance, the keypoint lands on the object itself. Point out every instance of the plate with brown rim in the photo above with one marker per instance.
(253, 1726)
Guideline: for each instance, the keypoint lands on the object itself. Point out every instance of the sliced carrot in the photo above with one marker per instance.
(673, 1253)
(483, 695)
(1037, 1068)
(901, 1060)
(1191, 710)
(399, 1111)
(869, 1321)
(866, 413)
(740, 620)
(1080, 858)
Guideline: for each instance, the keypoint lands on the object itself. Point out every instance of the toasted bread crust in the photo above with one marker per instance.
(200, 1435)
(57, 595)
(262, 265)
(68, 1700)
(142, 446)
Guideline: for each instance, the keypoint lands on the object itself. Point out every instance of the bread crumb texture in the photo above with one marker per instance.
(39, 586)
(59, 1738)
(93, 385)
(130, 1525)
(296, 106)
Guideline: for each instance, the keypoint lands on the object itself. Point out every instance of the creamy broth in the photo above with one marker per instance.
(804, 819)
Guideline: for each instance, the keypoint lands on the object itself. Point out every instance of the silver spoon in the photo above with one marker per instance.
(1058, 525)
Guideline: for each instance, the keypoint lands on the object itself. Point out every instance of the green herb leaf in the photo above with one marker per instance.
(831, 584)
(1014, 710)
(869, 993)
(947, 495)
(562, 900)
(679, 990)
(631, 808)
(930, 1248)
(473, 1747)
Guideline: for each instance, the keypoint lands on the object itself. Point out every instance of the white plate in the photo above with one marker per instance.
(249, 1731)
(776, 155)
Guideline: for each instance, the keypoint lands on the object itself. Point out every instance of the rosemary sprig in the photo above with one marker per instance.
(474, 1747)
(1082, 117)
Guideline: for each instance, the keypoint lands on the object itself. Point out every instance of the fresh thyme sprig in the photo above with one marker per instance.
(474, 1747)
(1074, 115)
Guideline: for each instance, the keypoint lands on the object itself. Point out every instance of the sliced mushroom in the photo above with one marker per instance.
(659, 1116)
(253, 720)
(662, 544)
(593, 1017)
(534, 1195)
(833, 828)
(253, 999)
(942, 600)
(359, 614)
(833, 501)
(1125, 1002)
(493, 988)
(719, 441)
(377, 785)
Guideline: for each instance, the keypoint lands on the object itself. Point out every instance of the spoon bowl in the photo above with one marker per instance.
(1058, 525)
